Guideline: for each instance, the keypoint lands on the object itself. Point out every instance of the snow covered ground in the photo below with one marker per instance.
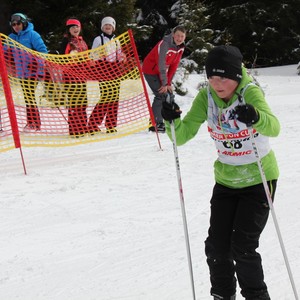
(103, 220)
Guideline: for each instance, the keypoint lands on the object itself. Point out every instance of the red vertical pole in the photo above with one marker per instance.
(143, 81)
(10, 104)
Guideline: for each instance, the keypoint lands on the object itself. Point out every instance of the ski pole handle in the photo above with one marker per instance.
(170, 109)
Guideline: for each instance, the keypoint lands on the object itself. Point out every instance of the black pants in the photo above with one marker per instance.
(238, 217)
(154, 84)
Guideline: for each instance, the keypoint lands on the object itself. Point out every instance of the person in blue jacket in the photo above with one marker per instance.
(28, 69)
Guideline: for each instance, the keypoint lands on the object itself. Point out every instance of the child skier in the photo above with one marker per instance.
(239, 206)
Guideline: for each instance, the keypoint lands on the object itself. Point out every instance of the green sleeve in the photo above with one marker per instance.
(188, 127)
(267, 124)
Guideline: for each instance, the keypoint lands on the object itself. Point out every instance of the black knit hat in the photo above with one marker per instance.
(224, 61)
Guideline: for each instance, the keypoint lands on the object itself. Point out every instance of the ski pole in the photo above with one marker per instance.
(185, 227)
(270, 202)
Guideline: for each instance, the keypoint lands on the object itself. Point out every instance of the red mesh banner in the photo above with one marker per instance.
(62, 100)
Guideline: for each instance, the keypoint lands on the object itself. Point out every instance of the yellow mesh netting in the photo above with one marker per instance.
(62, 100)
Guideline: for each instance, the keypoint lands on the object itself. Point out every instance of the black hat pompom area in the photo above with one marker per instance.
(224, 61)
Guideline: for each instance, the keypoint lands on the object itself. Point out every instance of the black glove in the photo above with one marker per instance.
(247, 114)
(170, 111)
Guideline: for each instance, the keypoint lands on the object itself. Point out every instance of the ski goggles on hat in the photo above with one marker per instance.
(13, 24)
(16, 20)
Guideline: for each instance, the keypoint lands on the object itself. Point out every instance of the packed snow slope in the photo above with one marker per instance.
(103, 221)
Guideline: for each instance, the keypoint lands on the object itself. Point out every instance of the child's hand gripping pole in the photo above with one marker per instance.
(170, 109)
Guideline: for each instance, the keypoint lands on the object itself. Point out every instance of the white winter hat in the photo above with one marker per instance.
(108, 20)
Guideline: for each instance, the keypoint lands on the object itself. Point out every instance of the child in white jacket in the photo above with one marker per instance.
(109, 83)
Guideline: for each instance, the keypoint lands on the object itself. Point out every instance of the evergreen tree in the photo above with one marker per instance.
(49, 17)
(155, 14)
(5, 12)
(266, 32)
(192, 15)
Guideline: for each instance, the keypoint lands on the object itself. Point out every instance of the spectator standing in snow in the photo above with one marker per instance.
(28, 69)
(73, 43)
(108, 105)
(159, 68)
(231, 105)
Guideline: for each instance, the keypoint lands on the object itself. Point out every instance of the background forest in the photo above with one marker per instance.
(268, 32)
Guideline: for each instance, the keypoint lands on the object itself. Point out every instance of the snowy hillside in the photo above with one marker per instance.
(103, 220)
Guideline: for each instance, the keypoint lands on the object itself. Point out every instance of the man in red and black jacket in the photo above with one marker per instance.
(159, 68)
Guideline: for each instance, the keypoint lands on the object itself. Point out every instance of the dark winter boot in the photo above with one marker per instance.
(160, 128)
(264, 296)
(224, 298)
